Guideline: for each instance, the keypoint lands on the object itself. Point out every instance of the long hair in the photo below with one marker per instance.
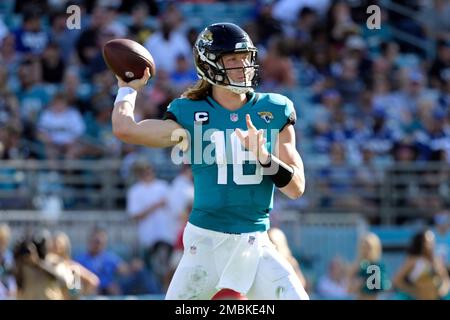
(370, 247)
(198, 91)
(64, 240)
(417, 244)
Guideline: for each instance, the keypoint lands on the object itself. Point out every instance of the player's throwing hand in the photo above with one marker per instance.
(135, 84)
(254, 140)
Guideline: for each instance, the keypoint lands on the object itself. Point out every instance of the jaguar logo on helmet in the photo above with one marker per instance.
(207, 36)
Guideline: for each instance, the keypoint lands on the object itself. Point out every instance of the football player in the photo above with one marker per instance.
(241, 145)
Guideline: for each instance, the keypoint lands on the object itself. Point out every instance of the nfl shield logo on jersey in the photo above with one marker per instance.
(234, 117)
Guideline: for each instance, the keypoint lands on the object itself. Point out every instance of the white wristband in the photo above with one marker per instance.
(126, 94)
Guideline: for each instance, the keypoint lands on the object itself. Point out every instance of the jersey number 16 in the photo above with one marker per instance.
(239, 156)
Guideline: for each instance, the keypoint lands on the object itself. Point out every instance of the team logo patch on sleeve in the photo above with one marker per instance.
(201, 117)
(266, 116)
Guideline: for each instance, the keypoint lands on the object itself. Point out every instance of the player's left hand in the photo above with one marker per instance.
(253, 140)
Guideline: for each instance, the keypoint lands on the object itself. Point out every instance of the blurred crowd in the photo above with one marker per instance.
(40, 265)
(366, 92)
(422, 275)
(421, 272)
(370, 92)
(365, 99)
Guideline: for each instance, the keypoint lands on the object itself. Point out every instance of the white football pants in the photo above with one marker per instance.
(200, 271)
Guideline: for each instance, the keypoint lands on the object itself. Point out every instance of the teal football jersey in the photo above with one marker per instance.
(231, 193)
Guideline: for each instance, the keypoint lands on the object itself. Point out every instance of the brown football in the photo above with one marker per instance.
(128, 59)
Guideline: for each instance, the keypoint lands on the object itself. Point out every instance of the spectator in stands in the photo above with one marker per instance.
(30, 5)
(31, 95)
(10, 179)
(167, 44)
(441, 64)
(31, 38)
(174, 16)
(422, 276)
(65, 38)
(184, 75)
(39, 274)
(435, 19)
(433, 136)
(87, 45)
(306, 21)
(113, 24)
(320, 60)
(387, 62)
(60, 127)
(77, 93)
(156, 227)
(85, 282)
(322, 115)
(279, 239)
(348, 81)
(139, 29)
(266, 25)
(9, 105)
(333, 285)
(102, 82)
(412, 90)
(8, 286)
(340, 23)
(356, 49)
(9, 57)
(9, 142)
(381, 87)
(337, 179)
(378, 136)
(363, 112)
(153, 103)
(277, 68)
(97, 63)
(139, 281)
(105, 264)
(368, 265)
(52, 64)
(98, 141)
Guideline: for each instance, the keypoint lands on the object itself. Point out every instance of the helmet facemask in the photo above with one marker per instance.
(248, 73)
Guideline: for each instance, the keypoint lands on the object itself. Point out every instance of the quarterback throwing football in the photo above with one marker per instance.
(251, 138)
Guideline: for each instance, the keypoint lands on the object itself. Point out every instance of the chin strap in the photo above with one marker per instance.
(234, 89)
(238, 90)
